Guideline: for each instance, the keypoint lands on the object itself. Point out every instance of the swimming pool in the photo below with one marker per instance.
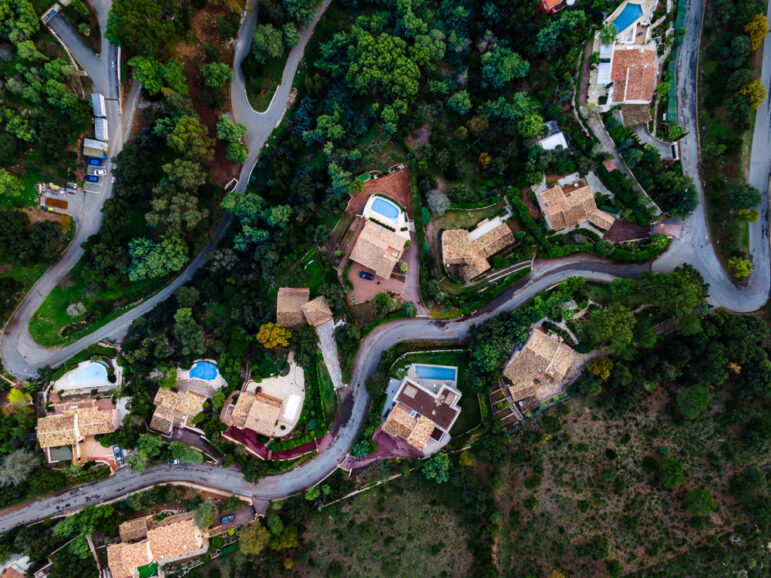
(435, 372)
(203, 370)
(92, 374)
(628, 16)
(385, 208)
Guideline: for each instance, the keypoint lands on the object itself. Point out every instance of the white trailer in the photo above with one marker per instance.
(100, 129)
(97, 103)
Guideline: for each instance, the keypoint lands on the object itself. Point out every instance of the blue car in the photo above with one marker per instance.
(226, 519)
(94, 162)
(92, 179)
(365, 275)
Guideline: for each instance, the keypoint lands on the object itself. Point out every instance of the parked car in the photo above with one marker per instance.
(117, 452)
(365, 275)
(173, 461)
(94, 162)
(100, 172)
(226, 519)
(92, 179)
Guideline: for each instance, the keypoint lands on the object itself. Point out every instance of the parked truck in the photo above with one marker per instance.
(100, 129)
(97, 102)
(94, 148)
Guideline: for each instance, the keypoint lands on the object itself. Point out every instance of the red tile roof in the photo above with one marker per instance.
(633, 75)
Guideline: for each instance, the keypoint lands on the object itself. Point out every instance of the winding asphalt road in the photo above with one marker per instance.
(22, 356)
(693, 247)
(348, 422)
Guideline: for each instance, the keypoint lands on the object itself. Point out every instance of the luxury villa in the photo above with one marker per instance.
(146, 542)
(627, 72)
(176, 407)
(543, 360)
(470, 250)
(67, 432)
(425, 408)
(565, 207)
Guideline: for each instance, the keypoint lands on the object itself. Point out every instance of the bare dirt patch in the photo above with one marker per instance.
(418, 137)
(204, 28)
(38, 216)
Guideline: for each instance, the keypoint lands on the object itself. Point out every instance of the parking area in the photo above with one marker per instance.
(365, 290)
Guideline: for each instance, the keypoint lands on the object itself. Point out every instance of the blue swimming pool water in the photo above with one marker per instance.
(204, 370)
(89, 374)
(434, 372)
(629, 14)
(385, 208)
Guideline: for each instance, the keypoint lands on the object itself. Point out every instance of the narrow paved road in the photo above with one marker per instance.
(21, 355)
(694, 245)
(349, 420)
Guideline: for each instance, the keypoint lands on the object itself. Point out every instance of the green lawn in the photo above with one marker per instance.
(261, 87)
(51, 325)
(327, 392)
(470, 415)
(27, 275)
(465, 218)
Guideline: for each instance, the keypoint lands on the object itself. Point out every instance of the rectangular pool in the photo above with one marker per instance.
(435, 372)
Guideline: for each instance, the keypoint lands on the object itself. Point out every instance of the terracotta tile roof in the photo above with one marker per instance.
(132, 530)
(317, 311)
(124, 559)
(74, 424)
(57, 430)
(422, 432)
(92, 421)
(175, 540)
(257, 412)
(543, 359)
(571, 206)
(550, 5)
(633, 75)
(172, 539)
(458, 249)
(263, 414)
(378, 249)
(399, 422)
(175, 409)
(162, 420)
(289, 306)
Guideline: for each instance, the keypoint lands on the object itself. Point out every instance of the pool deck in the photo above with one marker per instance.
(64, 387)
(203, 387)
(395, 185)
(283, 387)
(434, 385)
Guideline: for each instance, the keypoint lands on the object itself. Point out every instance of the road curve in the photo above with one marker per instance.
(694, 245)
(346, 426)
(22, 356)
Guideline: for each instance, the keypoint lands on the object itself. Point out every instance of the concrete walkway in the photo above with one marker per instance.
(328, 346)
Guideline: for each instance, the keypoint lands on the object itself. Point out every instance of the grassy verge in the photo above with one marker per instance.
(27, 275)
(718, 131)
(53, 326)
(262, 80)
